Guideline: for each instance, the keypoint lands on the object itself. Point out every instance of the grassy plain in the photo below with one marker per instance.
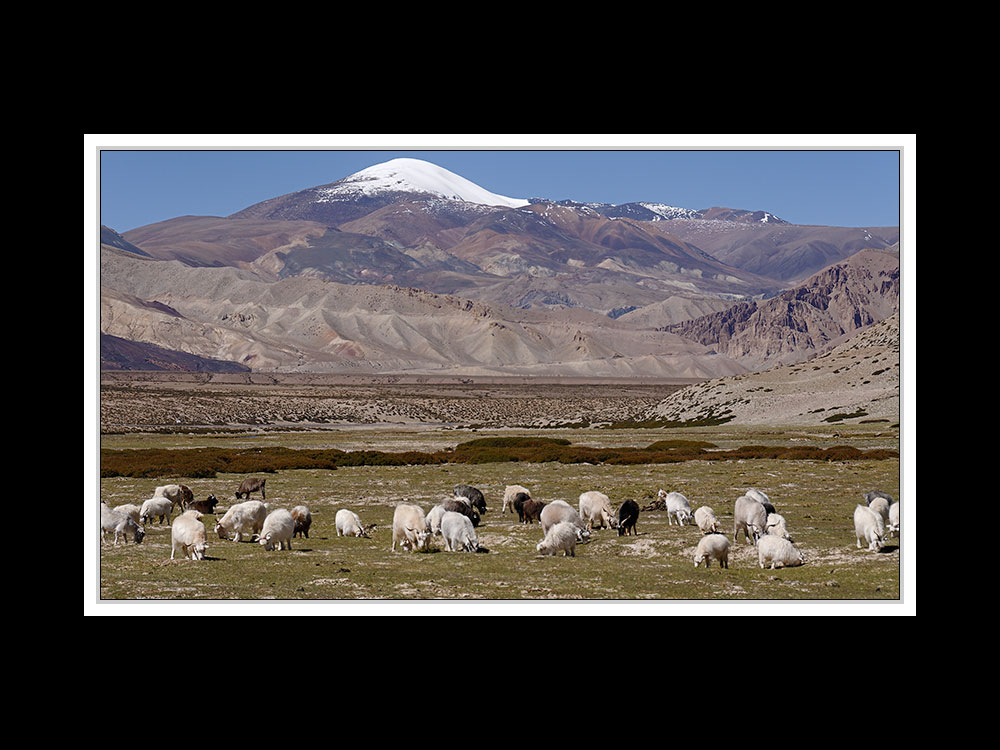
(816, 497)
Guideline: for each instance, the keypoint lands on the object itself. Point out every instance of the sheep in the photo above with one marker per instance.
(712, 546)
(409, 527)
(754, 494)
(458, 534)
(131, 510)
(156, 507)
(278, 530)
(869, 527)
(474, 496)
(303, 520)
(561, 537)
(559, 511)
(881, 506)
(242, 518)
(776, 552)
(462, 505)
(120, 525)
(251, 484)
(776, 526)
(596, 506)
(509, 493)
(204, 506)
(188, 535)
(893, 528)
(434, 519)
(706, 520)
(348, 523)
(678, 507)
(628, 515)
(749, 517)
(532, 510)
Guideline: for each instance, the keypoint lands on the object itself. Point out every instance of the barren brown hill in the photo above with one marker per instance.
(309, 325)
(856, 381)
(800, 322)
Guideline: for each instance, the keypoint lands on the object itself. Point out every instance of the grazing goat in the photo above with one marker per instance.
(187, 534)
(678, 508)
(532, 510)
(706, 520)
(156, 507)
(628, 515)
(303, 520)
(595, 507)
(242, 518)
(474, 496)
(278, 530)
(204, 506)
(348, 523)
(712, 547)
(121, 525)
(251, 484)
(518, 502)
(749, 517)
(458, 534)
(559, 538)
(409, 527)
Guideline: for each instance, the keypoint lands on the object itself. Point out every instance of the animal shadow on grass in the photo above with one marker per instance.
(888, 549)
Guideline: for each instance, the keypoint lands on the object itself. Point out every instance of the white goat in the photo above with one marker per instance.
(749, 517)
(278, 530)
(434, 516)
(187, 534)
(559, 511)
(458, 533)
(881, 506)
(156, 507)
(776, 526)
(242, 518)
(893, 528)
(869, 528)
(678, 508)
(596, 507)
(560, 538)
(113, 522)
(348, 523)
(706, 520)
(775, 552)
(712, 547)
(409, 527)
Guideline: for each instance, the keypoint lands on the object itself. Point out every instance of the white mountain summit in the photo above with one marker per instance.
(412, 176)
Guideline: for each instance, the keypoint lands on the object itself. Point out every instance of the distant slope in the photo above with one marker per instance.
(855, 381)
(122, 354)
(309, 325)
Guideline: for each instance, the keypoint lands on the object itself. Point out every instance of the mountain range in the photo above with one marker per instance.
(406, 266)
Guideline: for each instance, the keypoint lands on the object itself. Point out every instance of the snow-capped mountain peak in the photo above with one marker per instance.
(412, 176)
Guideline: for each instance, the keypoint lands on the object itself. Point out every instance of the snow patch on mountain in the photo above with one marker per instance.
(670, 212)
(412, 176)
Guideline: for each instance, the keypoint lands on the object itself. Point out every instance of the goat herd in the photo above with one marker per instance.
(456, 518)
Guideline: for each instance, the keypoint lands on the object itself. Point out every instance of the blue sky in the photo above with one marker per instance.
(838, 187)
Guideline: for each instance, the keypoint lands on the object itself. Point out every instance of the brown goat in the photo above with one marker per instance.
(532, 510)
(204, 506)
(251, 484)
